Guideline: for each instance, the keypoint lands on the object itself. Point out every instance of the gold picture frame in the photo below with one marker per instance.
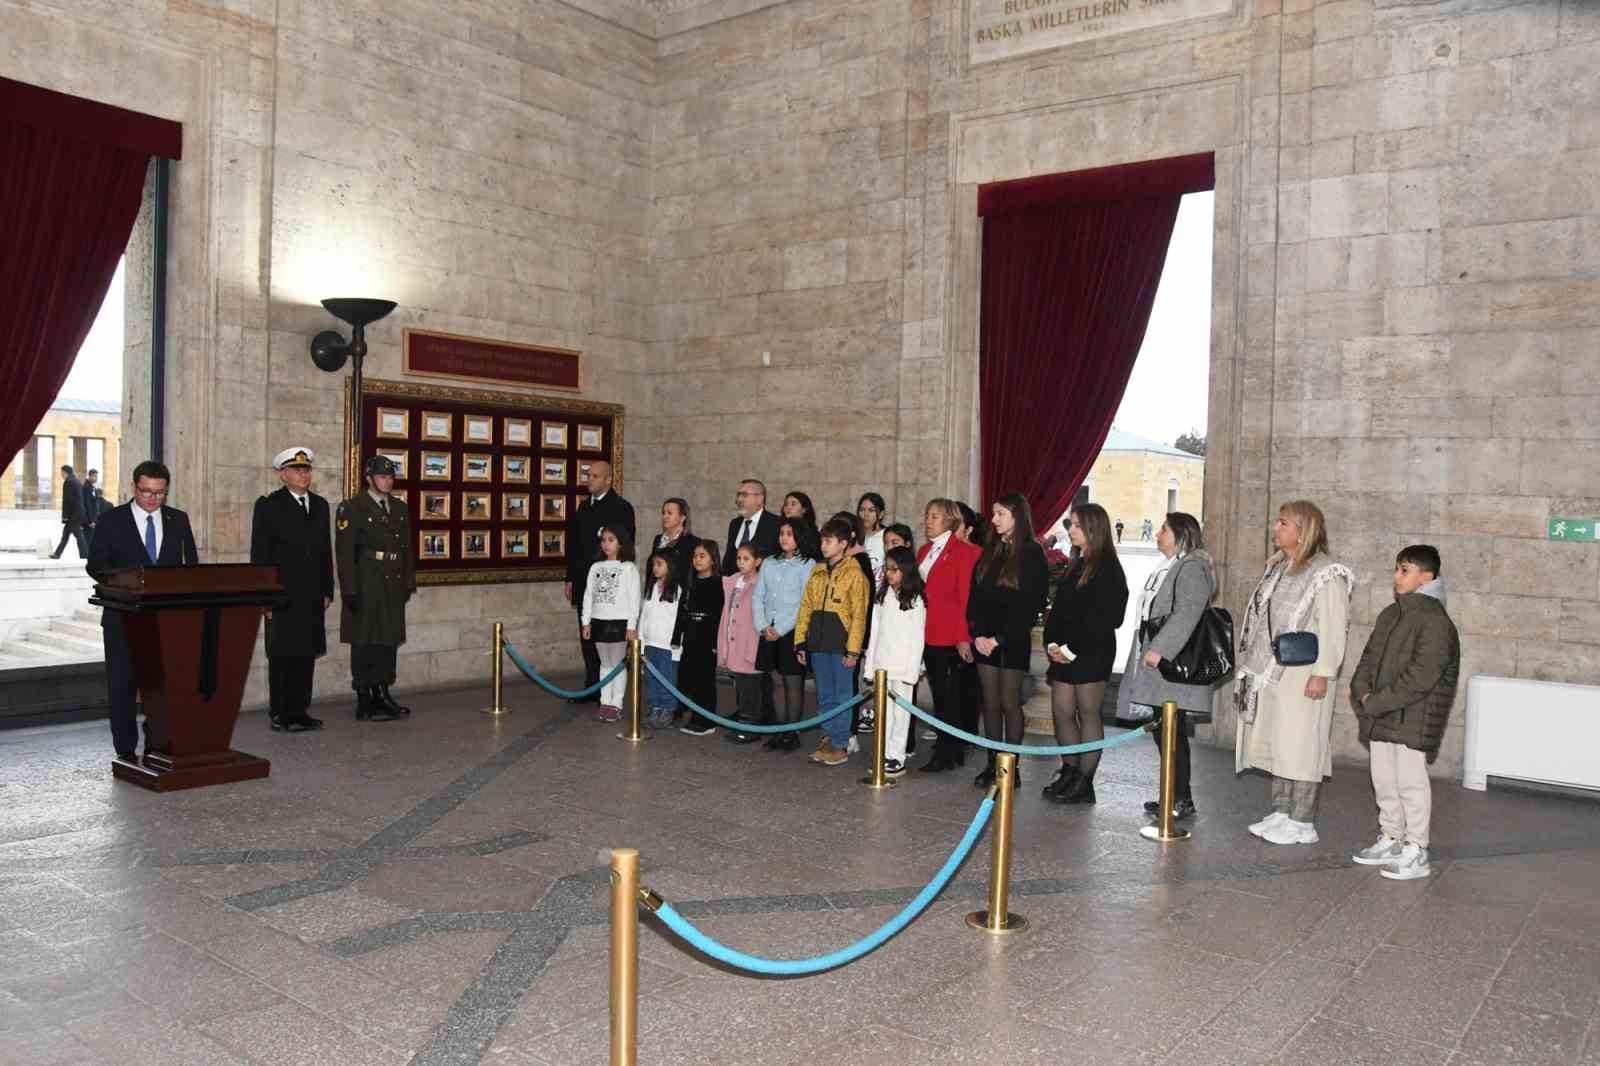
(516, 469)
(552, 471)
(552, 543)
(435, 506)
(435, 466)
(583, 469)
(477, 430)
(553, 435)
(393, 423)
(514, 507)
(401, 495)
(552, 507)
(475, 544)
(477, 506)
(433, 544)
(591, 438)
(438, 426)
(514, 544)
(477, 466)
(517, 432)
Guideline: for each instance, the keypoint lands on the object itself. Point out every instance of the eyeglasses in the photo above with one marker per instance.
(151, 494)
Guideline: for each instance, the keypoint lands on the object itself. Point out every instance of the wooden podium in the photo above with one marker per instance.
(191, 631)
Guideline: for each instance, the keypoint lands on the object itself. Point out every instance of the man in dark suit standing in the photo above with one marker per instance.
(289, 530)
(753, 524)
(602, 509)
(142, 532)
(94, 501)
(71, 515)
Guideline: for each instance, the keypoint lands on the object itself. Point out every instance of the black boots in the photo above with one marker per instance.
(370, 706)
(397, 709)
(1063, 782)
(985, 779)
(1071, 787)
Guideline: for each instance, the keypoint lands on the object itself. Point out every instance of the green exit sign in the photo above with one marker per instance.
(1574, 529)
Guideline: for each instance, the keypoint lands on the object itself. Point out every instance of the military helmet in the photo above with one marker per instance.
(380, 465)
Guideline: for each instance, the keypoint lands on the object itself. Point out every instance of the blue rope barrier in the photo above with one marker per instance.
(573, 694)
(751, 727)
(1019, 749)
(795, 967)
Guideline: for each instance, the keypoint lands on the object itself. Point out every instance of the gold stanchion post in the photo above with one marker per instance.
(1164, 830)
(997, 920)
(624, 956)
(880, 731)
(497, 655)
(634, 735)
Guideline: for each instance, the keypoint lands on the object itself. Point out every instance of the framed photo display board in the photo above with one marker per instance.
(490, 478)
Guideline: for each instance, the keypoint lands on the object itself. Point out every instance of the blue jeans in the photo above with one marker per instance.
(835, 684)
(656, 696)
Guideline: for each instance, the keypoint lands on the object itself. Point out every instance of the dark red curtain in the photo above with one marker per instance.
(71, 179)
(1070, 269)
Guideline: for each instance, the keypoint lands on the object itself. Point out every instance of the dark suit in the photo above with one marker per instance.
(283, 534)
(119, 545)
(72, 518)
(763, 533)
(583, 545)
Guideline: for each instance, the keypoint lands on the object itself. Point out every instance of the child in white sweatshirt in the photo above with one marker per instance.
(659, 634)
(896, 647)
(610, 608)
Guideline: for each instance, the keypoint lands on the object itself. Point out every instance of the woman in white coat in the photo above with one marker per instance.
(896, 647)
(1285, 722)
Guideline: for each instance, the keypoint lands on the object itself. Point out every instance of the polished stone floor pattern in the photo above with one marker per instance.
(433, 891)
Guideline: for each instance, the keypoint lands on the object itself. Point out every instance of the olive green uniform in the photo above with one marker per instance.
(377, 575)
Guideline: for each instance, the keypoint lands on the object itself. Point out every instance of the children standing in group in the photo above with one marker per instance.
(777, 606)
(697, 624)
(610, 606)
(829, 633)
(736, 635)
(896, 647)
(658, 636)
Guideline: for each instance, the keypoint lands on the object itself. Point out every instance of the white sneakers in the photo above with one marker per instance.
(1411, 864)
(1381, 852)
(1288, 831)
(1258, 828)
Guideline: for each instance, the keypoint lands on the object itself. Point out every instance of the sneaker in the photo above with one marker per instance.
(1411, 864)
(1258, 828)
(697, 729)
(893, 768)
(1290, 831)
(1381, 852)
(832, 757)
(929, 734)
(609, 714)
(1181, 809)
(822, 749)
(865, 724)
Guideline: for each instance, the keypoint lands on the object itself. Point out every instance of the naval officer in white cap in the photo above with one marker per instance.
(290, 531)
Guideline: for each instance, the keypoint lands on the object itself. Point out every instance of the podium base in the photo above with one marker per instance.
(158, 773)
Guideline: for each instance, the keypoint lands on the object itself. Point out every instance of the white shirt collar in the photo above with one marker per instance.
(938, 543)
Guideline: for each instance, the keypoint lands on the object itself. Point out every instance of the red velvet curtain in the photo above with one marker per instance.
(1070, 269)
(71, 179)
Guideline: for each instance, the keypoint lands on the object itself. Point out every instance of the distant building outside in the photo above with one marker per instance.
(1137, 479)
(83, 434)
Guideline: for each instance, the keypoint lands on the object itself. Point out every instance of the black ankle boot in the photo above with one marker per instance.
(377, 710)
(1080, 791)
(397, 709)
(363, 705)
(1062, 783)
(985, 778)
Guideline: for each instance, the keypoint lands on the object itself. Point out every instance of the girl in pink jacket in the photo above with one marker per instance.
(736, 636)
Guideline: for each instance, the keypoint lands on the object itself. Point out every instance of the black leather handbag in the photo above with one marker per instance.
(1299, 648)
(1206, 657)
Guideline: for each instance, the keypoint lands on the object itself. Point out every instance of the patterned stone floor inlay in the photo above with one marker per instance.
(434, 892)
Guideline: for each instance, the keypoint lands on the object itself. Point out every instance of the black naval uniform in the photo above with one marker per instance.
(377, 575)
(294, 538)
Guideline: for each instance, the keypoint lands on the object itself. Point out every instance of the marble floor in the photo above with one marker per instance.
(433, 891)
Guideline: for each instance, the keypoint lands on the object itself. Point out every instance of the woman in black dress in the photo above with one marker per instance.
(697, 635)
(1008, 589)
(1081, 639)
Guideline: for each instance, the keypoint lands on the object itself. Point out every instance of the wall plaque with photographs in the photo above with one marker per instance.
(492, 477)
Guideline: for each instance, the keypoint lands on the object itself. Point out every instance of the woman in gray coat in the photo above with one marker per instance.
(1178, 591)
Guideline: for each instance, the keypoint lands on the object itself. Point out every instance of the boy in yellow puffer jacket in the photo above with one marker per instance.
(829, 634)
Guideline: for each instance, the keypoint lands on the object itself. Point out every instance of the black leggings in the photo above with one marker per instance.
(1076, 710)
(788, 697)
(1180, 756)
(1002, 702)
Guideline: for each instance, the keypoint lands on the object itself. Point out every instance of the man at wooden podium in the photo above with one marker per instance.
(289, 530)
(142, 532)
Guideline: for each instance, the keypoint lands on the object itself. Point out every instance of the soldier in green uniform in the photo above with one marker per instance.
(377, 575)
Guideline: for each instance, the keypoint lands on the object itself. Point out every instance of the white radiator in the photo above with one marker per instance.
(1538, 731)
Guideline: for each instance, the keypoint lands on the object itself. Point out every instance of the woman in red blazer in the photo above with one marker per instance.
(946, 562)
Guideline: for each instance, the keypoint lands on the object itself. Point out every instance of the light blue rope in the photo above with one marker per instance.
(576, 694)
(751, 727)
(794, 967)
(1020, 749)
